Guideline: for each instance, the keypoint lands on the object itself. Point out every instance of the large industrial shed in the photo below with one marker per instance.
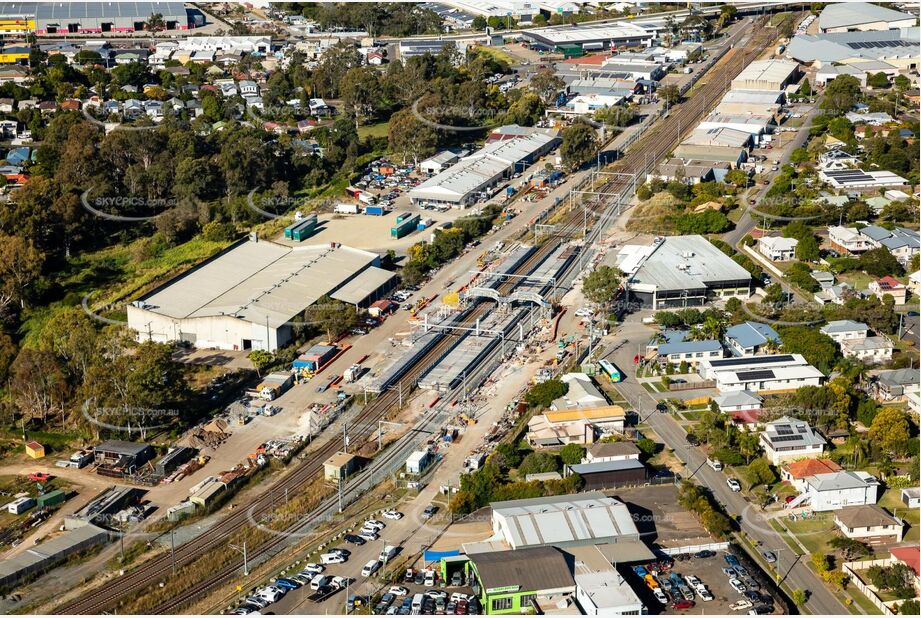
(620, 34)
(681, 271)
(898, 48)
(459, 186)
(862, 16)
(100, 17)
(772, 75)
(37, 560)
(252, 295)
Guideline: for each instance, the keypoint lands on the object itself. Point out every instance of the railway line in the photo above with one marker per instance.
(652, 147)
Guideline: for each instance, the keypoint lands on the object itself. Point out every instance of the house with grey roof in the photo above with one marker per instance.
(894, 384)
(691, 352)
(748, 338)
(831, 491)
(738, 401)
(896, 47)
(901, 242)
(869, 349)
(789, 439)
(842, 330)
(869, 523)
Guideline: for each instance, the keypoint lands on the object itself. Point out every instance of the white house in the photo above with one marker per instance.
(419, 461)
(837, 160)
(869, 349)
(848, 239)
(248, 88)
(891, 286)
(788, 439)
(834, 490)
(611, 451)
(911, 497)
(738, 401)
(777, 248)
(870, 524)
(582, 393)
(844, 330)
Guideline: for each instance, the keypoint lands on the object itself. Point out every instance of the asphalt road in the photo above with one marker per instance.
(795, 573)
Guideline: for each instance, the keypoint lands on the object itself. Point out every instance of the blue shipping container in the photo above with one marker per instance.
(375, 210)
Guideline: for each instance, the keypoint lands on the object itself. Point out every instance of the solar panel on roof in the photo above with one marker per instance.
(731, 362)
(758, 374)
(789, 438)
(783, 430)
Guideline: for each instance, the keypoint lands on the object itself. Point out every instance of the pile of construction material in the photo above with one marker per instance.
(212, 434)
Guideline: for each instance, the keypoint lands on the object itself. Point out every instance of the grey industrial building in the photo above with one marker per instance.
(102, 17)
(681, 271)
(620, 34)
(898, 48)
(37, 560)
(254, 293)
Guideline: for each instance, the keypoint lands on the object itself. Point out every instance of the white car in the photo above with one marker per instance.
(373, 523)
(313, 568)
(660, 596)
(429, 578)
(692, 581)
(584, 313)
(737, 585)
(270, 594)
(739, 605)
(399, 591)
(733, 484)
(368, 535)
(393, 515)
(339, 581)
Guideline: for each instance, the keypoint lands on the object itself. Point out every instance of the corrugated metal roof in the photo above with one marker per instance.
(705, 264)
(857, 13)
(532, 570)
(363, 285)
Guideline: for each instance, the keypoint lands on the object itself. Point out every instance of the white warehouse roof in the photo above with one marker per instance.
(259, 281)
(586, 518)
(853, 14)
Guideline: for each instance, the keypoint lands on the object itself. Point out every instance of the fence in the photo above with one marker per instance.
(868, 591)
(693, 549)
(691, 386)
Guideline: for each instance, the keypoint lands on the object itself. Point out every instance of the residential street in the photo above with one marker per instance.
(796, 574)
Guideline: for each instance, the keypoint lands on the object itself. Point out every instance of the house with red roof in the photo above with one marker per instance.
(909, 555)
(796, 472)
(889, 285)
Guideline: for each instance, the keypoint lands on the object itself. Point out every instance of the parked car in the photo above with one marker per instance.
(731, 560)
(374, 524)
(693, 440)
(398, 590)
(660, 596)
(393, 515)
(733, 484)
(457, 579)
(313, 568)
(739, 605)
(683, 604)
(368, 535)
(429, 511)
(354, 539)
(289, 584)
(769, 556)
(370, 568)
(704, 553)
(737, 585)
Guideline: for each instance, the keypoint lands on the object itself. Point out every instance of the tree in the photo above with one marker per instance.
(820, 561)
(572, 454)
(816, 347)
(580, 143)
(647, 447)
(911, 607)
(360, 90)
(841, 94)
(71, 336)
(509, 454)
(799, 597)
(260, 359)
(526, 111)
(800, 276)
(799, 156)
(479, 23)
(7, 354)
(155, 22)
(849, 549)
(759, 472)
(737, 178)
(670, 94)
(707, 222)
(878, 80)
(20, 266)
(38, 384)
(805, 88)
(880, 262)
(543, 394)
(807, 249)
(547, 85)
(890, 431)
(409, 137)
(601, 285)
(332, 316)
(537, 463)
(902, 83)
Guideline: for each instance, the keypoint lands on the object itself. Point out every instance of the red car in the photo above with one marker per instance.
(683, 604)
(461, 608)
(41, 477)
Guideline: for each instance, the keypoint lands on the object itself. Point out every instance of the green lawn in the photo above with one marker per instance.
(892, 502)
(374, 130)
(815, 532)
(786, 537)
(497, 53)
(858, 280)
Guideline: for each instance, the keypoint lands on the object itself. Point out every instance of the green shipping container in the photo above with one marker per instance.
(305, 231)
(52, 498)
(405, 227)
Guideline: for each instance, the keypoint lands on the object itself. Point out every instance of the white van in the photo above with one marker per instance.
(370, 568)
(331, 558)
(716, 464)
(317, 582)
(389, 552)
(417, 603)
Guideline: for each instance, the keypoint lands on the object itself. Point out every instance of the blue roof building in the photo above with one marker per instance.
(691, 352)
(747, 338)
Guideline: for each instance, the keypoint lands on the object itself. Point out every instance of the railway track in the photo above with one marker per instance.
(652, 147)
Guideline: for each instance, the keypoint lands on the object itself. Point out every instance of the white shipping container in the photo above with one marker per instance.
(346, 209)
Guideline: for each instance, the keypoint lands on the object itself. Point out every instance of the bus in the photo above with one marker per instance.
(611, 371)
